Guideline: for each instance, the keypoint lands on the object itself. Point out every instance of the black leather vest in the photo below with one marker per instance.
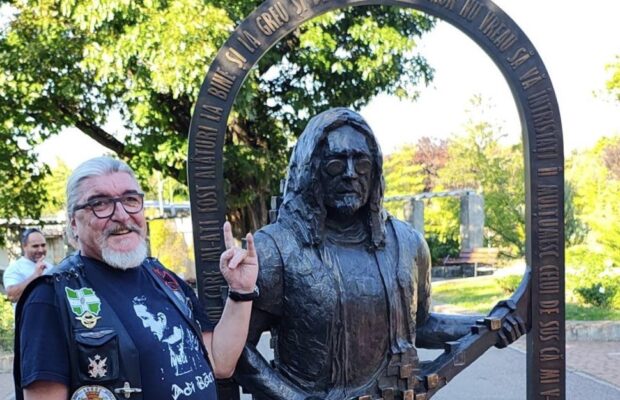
(107, 339)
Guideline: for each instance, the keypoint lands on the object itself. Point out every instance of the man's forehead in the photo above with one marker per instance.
(113, 184)
(347, 139)
(35, 238)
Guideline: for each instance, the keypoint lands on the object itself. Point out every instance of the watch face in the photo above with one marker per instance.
(93, 392)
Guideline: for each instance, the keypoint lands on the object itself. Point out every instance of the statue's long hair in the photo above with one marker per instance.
(302, 209)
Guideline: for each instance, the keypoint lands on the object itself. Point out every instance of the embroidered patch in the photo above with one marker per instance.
(85, 304)
(93, 392)
(97, 367)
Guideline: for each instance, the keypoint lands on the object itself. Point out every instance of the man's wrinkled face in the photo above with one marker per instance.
(35, 247)
(119, 240)
(346, 171)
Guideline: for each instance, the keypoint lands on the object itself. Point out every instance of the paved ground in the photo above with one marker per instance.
(593, 373)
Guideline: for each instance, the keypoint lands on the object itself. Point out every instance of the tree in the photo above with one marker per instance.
(478, 160)
(55, 185)
(593, 176)
(613, 85)
(70, 63)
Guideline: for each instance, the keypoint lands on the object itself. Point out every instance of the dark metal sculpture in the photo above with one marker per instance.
(346, 289)
(539, 301)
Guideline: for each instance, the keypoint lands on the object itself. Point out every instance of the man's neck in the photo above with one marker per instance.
(346, 229)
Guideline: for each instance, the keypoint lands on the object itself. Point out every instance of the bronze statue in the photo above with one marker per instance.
(345, 288)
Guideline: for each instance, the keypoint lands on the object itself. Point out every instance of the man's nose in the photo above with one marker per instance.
(349, 171)
(119, 212)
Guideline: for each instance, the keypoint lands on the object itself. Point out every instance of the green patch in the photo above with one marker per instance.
(83, 300)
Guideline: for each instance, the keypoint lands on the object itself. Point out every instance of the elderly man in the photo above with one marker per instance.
(345, 288)
(30, 266)
(85, 332)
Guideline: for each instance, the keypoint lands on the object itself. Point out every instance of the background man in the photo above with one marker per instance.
(30, 266)
(345, 287)
(78, 332)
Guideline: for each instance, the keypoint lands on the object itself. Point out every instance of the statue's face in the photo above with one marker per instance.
(346, 171)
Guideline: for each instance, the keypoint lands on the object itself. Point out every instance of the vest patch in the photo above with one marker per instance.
(97, 367)
(93, 392)
(85, 304)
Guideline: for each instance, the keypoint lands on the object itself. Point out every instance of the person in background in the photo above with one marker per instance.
(29, 266)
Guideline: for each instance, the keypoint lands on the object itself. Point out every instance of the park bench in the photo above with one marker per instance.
(483, 259)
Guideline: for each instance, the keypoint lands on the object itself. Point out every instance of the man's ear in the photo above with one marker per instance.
(73, 227)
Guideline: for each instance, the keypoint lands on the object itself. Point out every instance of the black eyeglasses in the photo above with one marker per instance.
(105, 207)
(337, 166)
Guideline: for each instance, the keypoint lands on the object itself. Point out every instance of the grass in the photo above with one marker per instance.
(479, 295)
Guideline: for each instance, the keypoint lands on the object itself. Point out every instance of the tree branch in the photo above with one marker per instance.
(94, 131)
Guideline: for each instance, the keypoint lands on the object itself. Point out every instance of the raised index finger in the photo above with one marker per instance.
(229, 240)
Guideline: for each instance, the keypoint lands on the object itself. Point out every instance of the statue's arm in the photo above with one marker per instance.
(433, 329)
(253, 372)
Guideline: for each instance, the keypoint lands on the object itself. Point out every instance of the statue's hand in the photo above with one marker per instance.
(512, 325)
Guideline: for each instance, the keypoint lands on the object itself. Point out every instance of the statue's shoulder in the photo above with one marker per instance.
(405, 232)
(278, 235)
(274, 245)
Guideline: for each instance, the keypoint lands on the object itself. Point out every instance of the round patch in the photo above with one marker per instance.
(93, 392)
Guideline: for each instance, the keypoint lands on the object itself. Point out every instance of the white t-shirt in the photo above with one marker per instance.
(20, 270)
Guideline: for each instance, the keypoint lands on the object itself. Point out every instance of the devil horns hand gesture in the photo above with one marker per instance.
(238, 266)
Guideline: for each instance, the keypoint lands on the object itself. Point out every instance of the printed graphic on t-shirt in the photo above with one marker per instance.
(181, 345)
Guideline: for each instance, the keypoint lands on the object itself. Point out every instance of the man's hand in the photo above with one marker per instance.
(39, 268)
(239, 267)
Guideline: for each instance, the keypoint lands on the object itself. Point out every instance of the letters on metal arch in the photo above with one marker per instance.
(540, 298)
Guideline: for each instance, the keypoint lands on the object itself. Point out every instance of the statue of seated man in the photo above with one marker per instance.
(345, 288)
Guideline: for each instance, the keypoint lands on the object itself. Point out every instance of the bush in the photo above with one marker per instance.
(509, 283)
(440, 249)
(599, 294)
(594, 281)
(7, 326)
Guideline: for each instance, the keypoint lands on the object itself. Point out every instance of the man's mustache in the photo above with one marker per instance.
(116, 228)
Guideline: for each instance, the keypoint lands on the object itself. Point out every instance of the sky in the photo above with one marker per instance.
(575, 39)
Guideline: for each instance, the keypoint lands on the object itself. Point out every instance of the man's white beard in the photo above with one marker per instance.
(348, 205)
(124, 259)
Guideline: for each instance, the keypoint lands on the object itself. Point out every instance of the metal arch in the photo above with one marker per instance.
(540, 297)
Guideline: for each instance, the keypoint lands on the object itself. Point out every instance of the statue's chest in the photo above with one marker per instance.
(335, 280)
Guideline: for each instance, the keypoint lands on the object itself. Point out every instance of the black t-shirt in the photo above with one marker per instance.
(172, 365)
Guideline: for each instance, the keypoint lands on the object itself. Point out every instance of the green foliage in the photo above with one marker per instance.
(594, 176)
(613, 84)
(168, 245)
(7, 323)
(55, 184)
(481, 294)
(402, 175)
(478, 160)
(442, 248)
(509, 283)
(593, 278)
(413, 170)
(599, 294)
(71, 63)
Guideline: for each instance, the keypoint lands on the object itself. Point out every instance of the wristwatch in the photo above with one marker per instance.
(236, 296)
